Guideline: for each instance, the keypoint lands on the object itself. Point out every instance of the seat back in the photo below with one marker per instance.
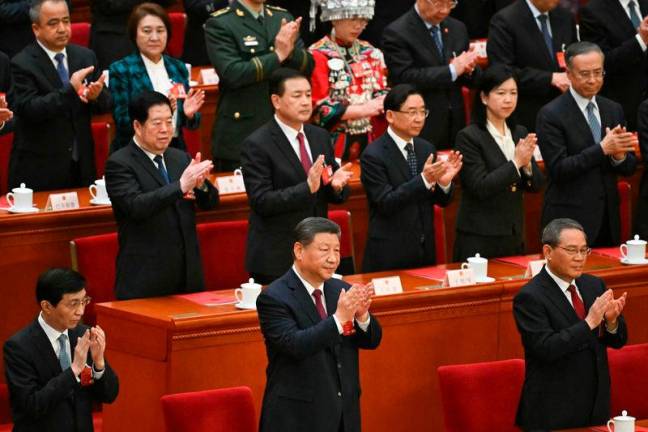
(193, 140)
(178, 25)
(481, 396)
(347, 251)
(629, 380)
(6, 142)
(222, 251)
(5, 408)
(440, 236)
(80, 34)
(95, 258)
(101, 138)
(228, 409)
(625, 209)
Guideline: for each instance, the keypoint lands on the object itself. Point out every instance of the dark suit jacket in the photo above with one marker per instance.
(514, 39)
(194, 51)
(158, 246)
(401, 215)
(6, 87)
(128, 79)
(491, 188)
(44, 398)
(476, 14)
(49, 118)
(626, 66)
(279, 196)
(641, 219)
(567, 383)
(15, 26)
(581, 179)
(412, 57)
(313, 378)
(385, 12)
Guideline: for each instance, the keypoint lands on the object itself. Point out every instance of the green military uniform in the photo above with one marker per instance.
(241, 48)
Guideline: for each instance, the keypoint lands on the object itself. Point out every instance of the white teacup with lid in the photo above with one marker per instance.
(634, 251)
(478, 265)
(21, 198)
(248, 293)
(622, 423)
(98, 190)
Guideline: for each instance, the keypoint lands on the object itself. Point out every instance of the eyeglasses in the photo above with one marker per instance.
(413, 113)
(574, 251)
(443, 4)
(74, 304)
(597, 74)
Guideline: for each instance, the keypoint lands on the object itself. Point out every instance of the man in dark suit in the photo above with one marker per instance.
(618, 28)
(528, 35)
(430, 50)
(313, 326)
(566, 320)
(152, 188)
(476, 15)
(403, 180)
(53, 146)
(290, 174)
(584, 145)
(55, 367)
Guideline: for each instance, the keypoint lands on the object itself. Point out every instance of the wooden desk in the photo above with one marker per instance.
(169, 345)
(643, 423)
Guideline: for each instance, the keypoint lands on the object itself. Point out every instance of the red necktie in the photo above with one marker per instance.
(303, 154)
(579, 307)
(318, 303)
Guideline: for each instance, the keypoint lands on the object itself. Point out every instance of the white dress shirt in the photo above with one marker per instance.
(626, 9)
(51, 55)
(151, 155)
(291, 135)
(505, 143)
(536, 13)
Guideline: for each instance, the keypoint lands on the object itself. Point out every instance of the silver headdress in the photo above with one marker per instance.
(341, 9)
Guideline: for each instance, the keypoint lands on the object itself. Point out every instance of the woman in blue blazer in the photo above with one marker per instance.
(150, 69)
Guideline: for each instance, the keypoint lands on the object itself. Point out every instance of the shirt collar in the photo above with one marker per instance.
(534, 10)
(51, 53)
(490, 127)
(51, 333)
(310, 288)
(287, 130)
(148, 153)
(625, 3)
(561, 283)
(150, 63)
(400, 142)
(581, 101)
(247, 7)
(428, 24)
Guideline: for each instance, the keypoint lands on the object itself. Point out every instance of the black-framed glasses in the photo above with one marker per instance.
(572, 251)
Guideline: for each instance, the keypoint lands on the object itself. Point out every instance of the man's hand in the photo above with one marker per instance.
(615, 307)
(560, 81)
(286, 38)
(432, 171)
(374, 107)
(81, 353)
(93, 90)
(347, 304)
(643, 30)
(618, 141)
(193, 102)
(77, 78)
(465, 62)
(452, 167)
(5, 115)
(195, 173)
(341, 177)
(366, 292)
(97, 347)
(524, 150)
(314, 178)
(596, 312)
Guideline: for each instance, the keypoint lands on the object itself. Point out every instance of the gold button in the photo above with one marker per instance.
(271, 48)
(237, 115)
(252, 50)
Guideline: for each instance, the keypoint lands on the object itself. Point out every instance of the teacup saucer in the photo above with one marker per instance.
(487, 279)
(241, 305)
(21, 210)
(628, 262)
(95, 201)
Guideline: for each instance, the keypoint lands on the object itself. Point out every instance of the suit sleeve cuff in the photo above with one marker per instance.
(338, 324)
(642, 44)
(453, 72)
(364, 325)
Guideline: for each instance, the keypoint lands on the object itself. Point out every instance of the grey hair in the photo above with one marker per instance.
(580, 48)
(551, 233)
(307, 229)
(35, 8)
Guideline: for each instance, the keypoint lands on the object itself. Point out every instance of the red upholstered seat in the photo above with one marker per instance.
(193, 140)
(222, 250)
(94, 257)
(347, 252)
(228, 409)
(439, 236)
(629, 376)
(481, 396)
(468, 99)
(625, 209)
(101, 137)
(6, 142)
(178, 25)
(80, 34)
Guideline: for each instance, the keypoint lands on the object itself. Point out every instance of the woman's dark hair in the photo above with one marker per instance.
(143, 10)
(492, 78)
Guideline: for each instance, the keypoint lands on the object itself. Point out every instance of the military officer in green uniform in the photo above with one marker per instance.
(246, 42)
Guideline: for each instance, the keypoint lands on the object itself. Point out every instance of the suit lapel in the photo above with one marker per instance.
(643, 9)
(143, 159)
(422, 34)
(492, 150)
(421, 155)
(174, 166)
(619, 15)
(395, 155)
(44, 347)
(537, 36)
(606, 116)
(557, 297)
(281, 141)
(303, 298)
(46, 66)
(331, 294)
(577, 120)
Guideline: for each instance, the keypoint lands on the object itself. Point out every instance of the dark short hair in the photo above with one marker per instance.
(35, 8)
(492, 78)
(56, 282)
(144, 10)
(278, 78)
(138, 108)
(398, 95)
(580, 48)
(551, 233)
(307, 229)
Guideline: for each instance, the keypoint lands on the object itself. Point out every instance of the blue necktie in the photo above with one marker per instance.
(64, 358)
(636, 20)
(61, 69)
(545, 33)
(436, 36)
(411, 159)
(160, 166)
(594, 124)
